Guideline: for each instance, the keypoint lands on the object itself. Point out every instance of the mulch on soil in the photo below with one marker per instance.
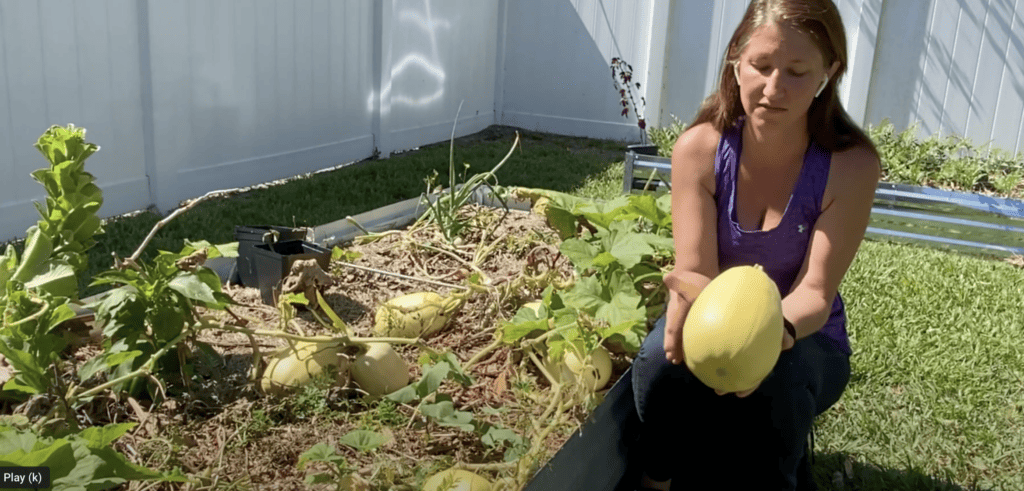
(223, 429)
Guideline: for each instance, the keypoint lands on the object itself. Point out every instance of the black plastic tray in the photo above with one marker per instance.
(274, 261)
(250, 236)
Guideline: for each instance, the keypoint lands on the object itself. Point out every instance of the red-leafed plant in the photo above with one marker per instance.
(622, 75)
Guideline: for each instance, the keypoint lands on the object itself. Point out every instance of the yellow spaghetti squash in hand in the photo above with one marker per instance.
(732, 336)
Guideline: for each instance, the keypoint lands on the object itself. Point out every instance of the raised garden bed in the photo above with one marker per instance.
(269, 459)
(504, 418)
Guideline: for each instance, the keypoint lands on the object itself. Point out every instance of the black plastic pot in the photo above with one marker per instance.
(274, 261)
(249, 237)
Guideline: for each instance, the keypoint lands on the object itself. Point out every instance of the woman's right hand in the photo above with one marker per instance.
(675, 316)
(683, 289)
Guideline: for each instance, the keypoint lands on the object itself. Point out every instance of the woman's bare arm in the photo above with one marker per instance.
(694, 228)
(836, 237)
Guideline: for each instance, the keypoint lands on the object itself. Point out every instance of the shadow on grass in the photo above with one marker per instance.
(840, 471)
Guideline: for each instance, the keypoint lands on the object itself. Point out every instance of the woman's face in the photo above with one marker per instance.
(778, 74)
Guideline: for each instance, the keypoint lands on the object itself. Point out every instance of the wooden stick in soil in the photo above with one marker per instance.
(402, 276)
(162, 223)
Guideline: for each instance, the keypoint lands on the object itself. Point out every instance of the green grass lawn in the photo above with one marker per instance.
(936, 400)
(937, 391)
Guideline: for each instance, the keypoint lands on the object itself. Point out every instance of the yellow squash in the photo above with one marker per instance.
(291, 368)
(414, 315)
(732, 335)
(380, 370)
(534, 306)
(540, 206)
(458, 480)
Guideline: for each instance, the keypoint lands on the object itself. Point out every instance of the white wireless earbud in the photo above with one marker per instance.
(822, 86)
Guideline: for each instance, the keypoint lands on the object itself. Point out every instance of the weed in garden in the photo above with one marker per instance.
(337, 468)
(1011, 183)
(251, 430)
(311, 400)
(522, 384)
(387, 413)
(606, 184)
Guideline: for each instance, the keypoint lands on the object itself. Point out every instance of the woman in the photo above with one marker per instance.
(772, 171)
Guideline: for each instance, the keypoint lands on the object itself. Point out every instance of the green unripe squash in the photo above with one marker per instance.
(732, 336)
(461, 480)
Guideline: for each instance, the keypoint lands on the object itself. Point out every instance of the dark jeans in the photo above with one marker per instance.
(691, 433)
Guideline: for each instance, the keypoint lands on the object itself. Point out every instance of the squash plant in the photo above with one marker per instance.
(440, 408)
(620, 250)
(82, 460)
(338, 470)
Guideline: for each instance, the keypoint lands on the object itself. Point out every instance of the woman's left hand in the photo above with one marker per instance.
(787, 343)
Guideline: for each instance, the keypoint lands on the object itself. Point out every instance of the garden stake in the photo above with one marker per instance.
(133, 260)
(402, 276)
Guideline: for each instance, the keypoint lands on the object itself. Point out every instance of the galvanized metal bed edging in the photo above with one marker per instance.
(965, 222)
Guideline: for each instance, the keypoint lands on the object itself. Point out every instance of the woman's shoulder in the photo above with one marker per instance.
(857, 164)
(700, 137)
(696, 147)
(854, 172)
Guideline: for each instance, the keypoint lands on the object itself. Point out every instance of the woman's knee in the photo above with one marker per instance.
(653, 374)
(647, 366)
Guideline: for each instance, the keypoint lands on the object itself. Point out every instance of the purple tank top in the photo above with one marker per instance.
(781, 250)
